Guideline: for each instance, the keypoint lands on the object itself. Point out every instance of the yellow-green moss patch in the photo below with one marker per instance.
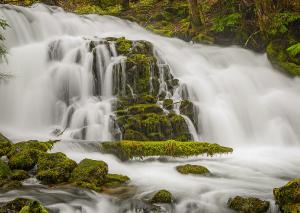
(192, 169)
(126, 150)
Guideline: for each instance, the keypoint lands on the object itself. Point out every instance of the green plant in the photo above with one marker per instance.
(279, 22)
(229, 21)
(294, 50)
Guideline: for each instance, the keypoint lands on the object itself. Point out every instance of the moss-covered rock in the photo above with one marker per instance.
(24, 155)
(162, 196)
(248, 204)
(168, 104)
(23, 205)
(90, 171)
(283, 59)
(115, 180)
(54, 168)
(126, 150)
(86, 185)
(19, 175)
(288, 196)
(8, 184)
(5, 171)
(192, 169)
(5, 145)
(188, 109)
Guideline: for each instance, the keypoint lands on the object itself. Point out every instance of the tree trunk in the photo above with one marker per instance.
(194, 15)
(125, 4)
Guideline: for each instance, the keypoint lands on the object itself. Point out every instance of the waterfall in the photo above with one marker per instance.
(63, 76)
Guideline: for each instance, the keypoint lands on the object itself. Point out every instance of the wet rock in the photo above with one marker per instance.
(248, 204)
(168, 104)
(54, 168)
(192, 169)
(287, 197)
(162, 196)
(188, 109)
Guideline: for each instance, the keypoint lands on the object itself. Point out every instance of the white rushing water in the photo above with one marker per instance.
(242, 101)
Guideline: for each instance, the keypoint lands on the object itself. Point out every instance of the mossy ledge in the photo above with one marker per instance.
(126, 150)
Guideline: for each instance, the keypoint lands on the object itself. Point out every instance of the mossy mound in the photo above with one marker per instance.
(7, 184)
(115, 180)
(5, 145)
(5, 171)
(282, 59)
(192, 169)
(90, 171)
(19, 175)
(24, 155)
(248, 204)
(23, 205)
(126, 150)
(162, 196)
(287, 197)
(54, 168)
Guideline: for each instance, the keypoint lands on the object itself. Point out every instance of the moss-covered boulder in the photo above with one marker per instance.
(54, 168)
(192, 169)
(162, 196)
(5, 145)
(19, 175)
(284, 57)
(126, 150)
(90, 171)
(248, 204)
(287, 197)
(5, 171)
(115, 180)
(24, 155)
(23, 205)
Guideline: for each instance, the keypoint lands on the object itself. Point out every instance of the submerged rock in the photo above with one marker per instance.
(248, 204)
(192, 169)
(287, 197)
(162, 196)
(126, 150)
(115, 180)
(54, 168)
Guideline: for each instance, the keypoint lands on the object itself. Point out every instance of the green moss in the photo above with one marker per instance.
(53, 168)
(24, 155)
(281, 59)
(90, 171)
(126, 150)
(130, 134)
(291, 208)
(144, 108)
(288, 195)
(115, 180)
(123, 46)
(87, 185)
(168, 104)
(162, 196)
(19, 175)
(192, 169)
(15, 205)
(248, 204)
(5, 171)
(33, 207)
(5, 145)
(10, 184)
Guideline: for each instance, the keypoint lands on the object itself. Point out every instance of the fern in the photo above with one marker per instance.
(294, 50)
(229, 21)
(280, 22)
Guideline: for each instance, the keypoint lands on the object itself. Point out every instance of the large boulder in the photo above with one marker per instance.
(23, 205)
(54, 168)
(90, 171)
(248, 204)
(288, 196)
